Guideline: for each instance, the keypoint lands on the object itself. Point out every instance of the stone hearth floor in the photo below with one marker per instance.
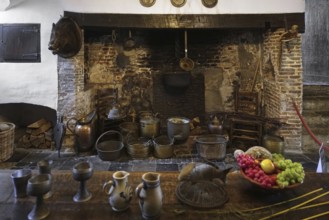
(28, 158)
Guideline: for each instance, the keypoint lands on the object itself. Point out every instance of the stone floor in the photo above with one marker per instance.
(28, 158)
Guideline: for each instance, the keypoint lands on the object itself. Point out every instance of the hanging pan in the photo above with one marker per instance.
(186, 63)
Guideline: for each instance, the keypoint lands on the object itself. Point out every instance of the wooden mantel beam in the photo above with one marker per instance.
(187, 21)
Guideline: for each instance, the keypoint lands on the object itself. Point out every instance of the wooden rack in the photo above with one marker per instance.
(246, 131)
(247, 102)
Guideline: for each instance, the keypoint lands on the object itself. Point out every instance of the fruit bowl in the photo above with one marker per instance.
(272, 171)
(275, 187)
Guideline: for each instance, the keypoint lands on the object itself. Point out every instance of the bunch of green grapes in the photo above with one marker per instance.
(291, 173)
(277, 157)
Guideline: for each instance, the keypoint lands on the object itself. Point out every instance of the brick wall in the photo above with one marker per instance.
(284, 86)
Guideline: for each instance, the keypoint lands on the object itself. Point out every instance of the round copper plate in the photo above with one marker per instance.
(201, 194)
(178, 3)
(209, 3)
(147, 3)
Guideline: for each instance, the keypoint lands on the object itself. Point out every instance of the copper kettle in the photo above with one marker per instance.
(84, 131)
(215, 126)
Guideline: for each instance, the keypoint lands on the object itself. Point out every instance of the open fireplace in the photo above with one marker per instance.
(239, 68)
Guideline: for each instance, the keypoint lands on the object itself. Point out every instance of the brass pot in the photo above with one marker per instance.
(149, 127)
(163, 146)
(273, 143)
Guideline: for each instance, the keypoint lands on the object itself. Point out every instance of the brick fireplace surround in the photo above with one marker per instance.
(223, 58)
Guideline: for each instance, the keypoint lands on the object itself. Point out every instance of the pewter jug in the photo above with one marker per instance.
(150, 195)
(119, 191)
(84, 131)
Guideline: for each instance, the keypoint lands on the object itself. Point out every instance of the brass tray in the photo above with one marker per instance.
(147, 3)
(178, 3)
(201, 194)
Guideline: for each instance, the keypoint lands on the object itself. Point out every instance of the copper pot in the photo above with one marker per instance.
(84, 130)
(274, 143)
(149, 127)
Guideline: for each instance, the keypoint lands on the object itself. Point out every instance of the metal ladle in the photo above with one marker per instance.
(130, 42)
(186, 63)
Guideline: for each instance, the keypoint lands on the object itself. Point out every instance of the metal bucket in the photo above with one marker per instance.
(109, 150)
(178, 128)
(211, 146)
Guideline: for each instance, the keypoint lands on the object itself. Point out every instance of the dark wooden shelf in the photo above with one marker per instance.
(245, 137)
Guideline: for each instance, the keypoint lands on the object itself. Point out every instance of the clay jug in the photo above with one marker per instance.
(150, 195)
(119, 191)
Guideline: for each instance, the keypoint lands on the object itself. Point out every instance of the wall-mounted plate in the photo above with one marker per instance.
(209, 3)
(178, 3)
(147, 3)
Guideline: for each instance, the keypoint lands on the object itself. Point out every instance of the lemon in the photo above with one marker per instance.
(267, 165)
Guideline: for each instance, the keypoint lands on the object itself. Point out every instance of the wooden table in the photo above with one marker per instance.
(242, 195)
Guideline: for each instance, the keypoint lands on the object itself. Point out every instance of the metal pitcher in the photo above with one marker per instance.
(84, 131)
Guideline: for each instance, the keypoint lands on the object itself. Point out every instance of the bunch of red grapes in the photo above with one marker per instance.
(252, 169)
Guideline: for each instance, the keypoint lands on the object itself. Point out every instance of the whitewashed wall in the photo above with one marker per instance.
(191, 6)
(36, 83)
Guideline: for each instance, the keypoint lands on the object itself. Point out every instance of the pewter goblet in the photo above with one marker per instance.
(38, 186)
(45, 168)
(82, 171)
(19, 179)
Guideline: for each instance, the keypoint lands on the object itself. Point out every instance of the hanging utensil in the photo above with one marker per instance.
(130, 42)
(121, 60)
(59, 133)
(186, 63)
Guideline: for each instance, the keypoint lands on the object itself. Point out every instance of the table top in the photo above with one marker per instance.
(246, 201)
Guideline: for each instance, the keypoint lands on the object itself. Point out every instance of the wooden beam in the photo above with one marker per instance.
(183, 21)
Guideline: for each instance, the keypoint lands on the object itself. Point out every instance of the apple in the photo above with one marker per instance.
(267, 166)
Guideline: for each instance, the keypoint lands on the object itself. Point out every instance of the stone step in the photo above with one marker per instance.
(314, 90)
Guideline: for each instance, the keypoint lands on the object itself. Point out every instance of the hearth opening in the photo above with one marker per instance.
(33, 124)
(234, 73)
